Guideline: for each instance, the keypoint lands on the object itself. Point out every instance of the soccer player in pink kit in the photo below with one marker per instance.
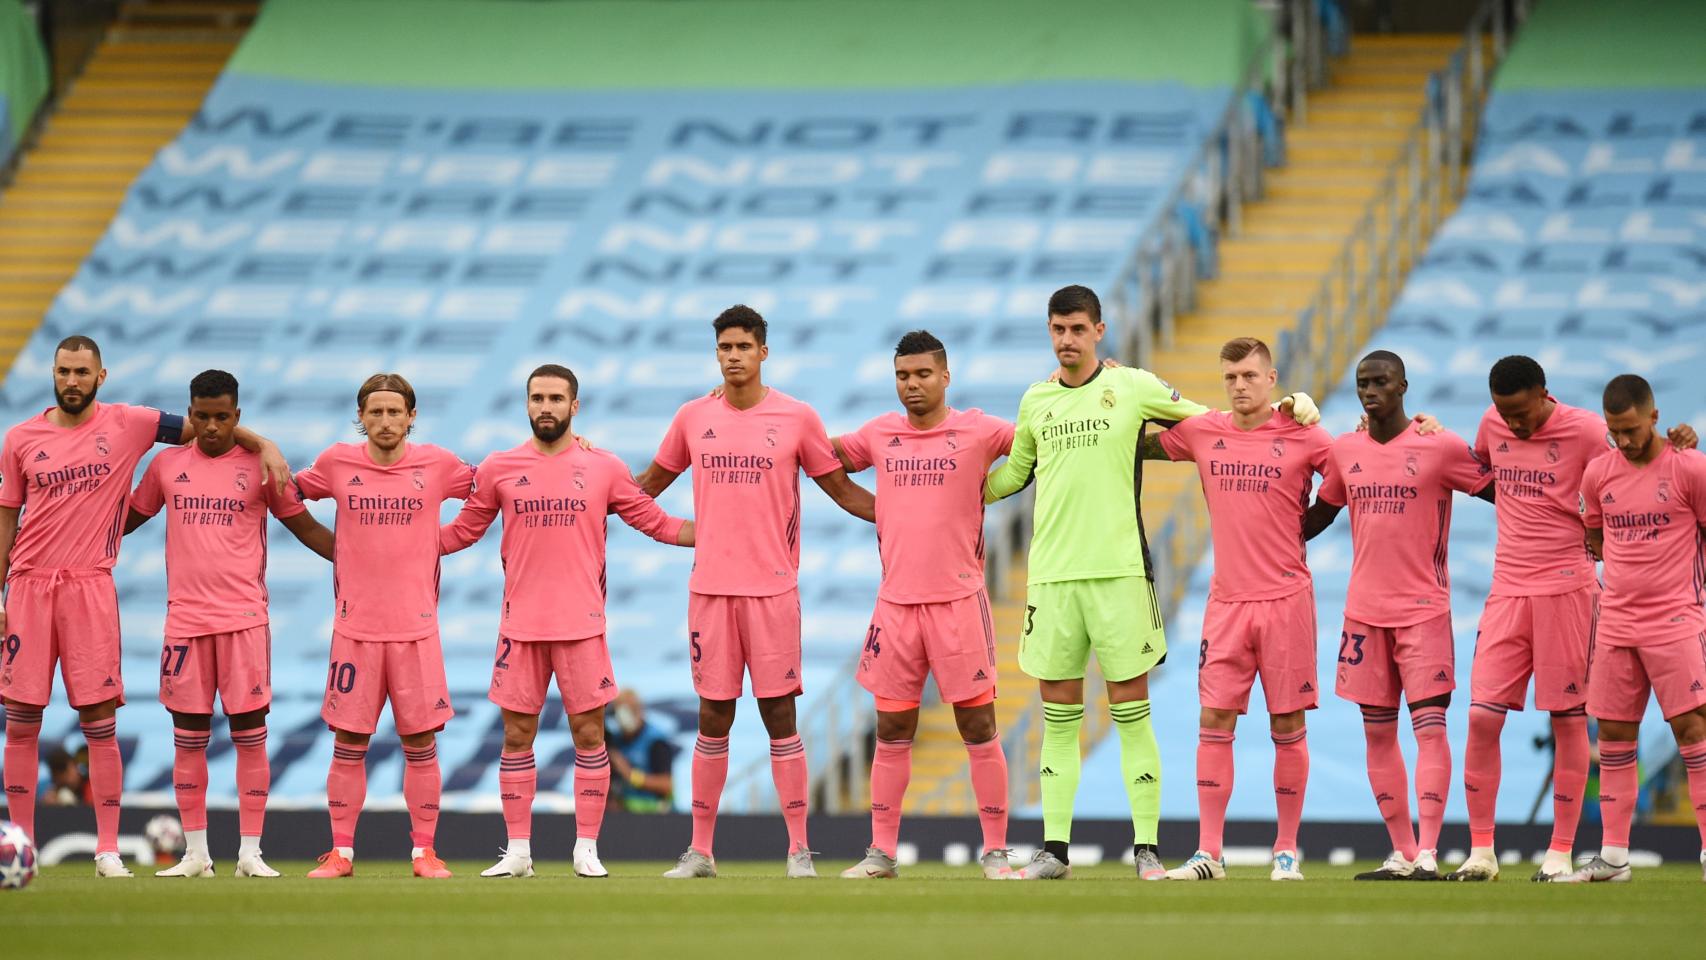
(217, 637)
(385, 630)
(1644, 505)
(1397, 642)
(1540, 613)
(932, 614)
(554, 496)
(1257, 468)
(69, 470)
(747, 448)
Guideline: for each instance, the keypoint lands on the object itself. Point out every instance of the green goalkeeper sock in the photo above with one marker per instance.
(1140, 765)
(1060, 765)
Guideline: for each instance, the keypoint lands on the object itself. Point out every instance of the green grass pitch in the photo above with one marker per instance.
(932, 911)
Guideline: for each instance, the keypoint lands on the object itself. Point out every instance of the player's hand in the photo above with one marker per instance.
(1427, 423)
(1683, 437)
(1108, 364)
(274, 468)
(586, 444)
(1301, 407)
(716, 392)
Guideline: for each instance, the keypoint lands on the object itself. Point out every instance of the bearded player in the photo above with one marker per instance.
(385, 644)
(1644, 505)
(554, 496)
(1089, 575)
(216, 637)
(69, 469)
(932, 614)
(746, 448)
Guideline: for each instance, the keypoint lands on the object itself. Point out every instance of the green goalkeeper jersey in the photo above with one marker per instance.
(1080, 444)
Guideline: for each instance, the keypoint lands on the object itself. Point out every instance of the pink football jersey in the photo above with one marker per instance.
(1651, 516)
(1541, 550)
(553, 537)
(216, 536)
(74, 485)
(746, 488)
(1257, 485)
(385, 571)
(930, 500)
(1399, 494)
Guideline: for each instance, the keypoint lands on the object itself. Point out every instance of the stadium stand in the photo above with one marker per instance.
(505, 183)
(1578, 242)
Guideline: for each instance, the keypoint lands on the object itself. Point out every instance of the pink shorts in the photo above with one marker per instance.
(238, 665)
(1275, 638)
(521, 674)
(64, 617)
(1543, 636)
(953, 640)
(757, 635)
(1382, 666)
(1619, 679)
(366, 673)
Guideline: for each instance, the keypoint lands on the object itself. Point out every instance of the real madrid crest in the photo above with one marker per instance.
(770, 437)
(579, 480)
(101, 445)
(1108, 398)
(1552, 452)
(1662, 494)
(953, 440)
(1410, 464)
(241, 481)
(1277, 448)
(418, 478)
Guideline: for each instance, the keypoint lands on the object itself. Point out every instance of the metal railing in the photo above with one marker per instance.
(1422, 184)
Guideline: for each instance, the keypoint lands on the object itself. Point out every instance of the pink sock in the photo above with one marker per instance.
(254, 779)
(1569, 777)
(1481, 770)
(1694, 760)
(1619, 787)
(1387, 776)
(106, 780)
(23, 765)
(1214, 787)
(788, 769)
(1433, 773)
(891, 768)
(710, 770)
(989, 785)
(518, 781)
(189, 776)
(592, 785)
(1291, 779)
(421, 787)
(346, 790)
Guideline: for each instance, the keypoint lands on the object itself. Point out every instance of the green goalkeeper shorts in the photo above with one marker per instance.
(1117, 617)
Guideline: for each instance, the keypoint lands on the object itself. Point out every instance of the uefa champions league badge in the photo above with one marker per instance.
(102, 447)
(418, 478)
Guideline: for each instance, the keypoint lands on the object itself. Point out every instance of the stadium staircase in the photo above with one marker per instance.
(1337, 157)
(143, 83)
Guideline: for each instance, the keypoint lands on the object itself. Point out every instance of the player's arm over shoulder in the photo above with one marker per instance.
(1016, 474)
(1159, 401)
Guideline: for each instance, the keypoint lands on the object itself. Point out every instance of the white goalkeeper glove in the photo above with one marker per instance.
(1302, 408)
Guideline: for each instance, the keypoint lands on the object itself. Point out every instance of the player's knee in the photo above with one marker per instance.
(716, 717)
(1690, 728)
(199, 722)
(587, 730)
(351, 738)
(778, 716)
(977, 724)
(418, 740)
(1213, 719)
(100, 711)
(1286, 722)
(902, 725)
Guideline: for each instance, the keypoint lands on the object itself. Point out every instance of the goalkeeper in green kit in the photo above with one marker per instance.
(1089, 584)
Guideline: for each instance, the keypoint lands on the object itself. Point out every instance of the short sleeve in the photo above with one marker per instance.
(458, 477)
(817, 457)
(1332, 483)
(146, 426)
(1483, 452)
(1320, 445)
(148, 497)
(1588, 501)
(1159, 400)
(999, 441)
(1693, 469)
(315, 483)
(673, 454)
(1176, 440)
(281, 505)
(857, 447)
(12, 481)
(1465, 471)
